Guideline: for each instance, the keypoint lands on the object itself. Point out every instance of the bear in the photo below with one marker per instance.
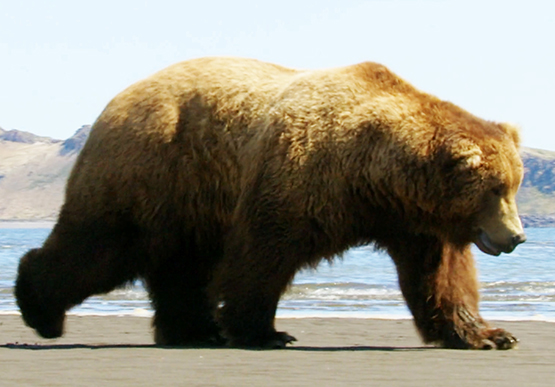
(215, 180)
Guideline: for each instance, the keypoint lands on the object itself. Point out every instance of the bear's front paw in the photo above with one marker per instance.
(497, 338)
(467, 331)
(474, 333)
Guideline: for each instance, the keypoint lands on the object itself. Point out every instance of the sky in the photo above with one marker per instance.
(62, 61)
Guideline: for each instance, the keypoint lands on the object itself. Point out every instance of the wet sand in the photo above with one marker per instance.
(118, 351)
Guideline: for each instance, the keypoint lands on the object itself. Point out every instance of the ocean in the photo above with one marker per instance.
(362, 284)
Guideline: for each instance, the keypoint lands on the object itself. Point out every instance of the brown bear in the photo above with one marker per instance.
(217, 179)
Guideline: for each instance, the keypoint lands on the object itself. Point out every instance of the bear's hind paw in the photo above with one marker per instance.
(280, 341)
(277, 340)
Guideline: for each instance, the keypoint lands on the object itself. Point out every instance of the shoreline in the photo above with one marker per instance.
(27, 224)
(148, 314)
(119, 351)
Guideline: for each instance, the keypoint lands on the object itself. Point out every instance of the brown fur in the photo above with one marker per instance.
(216, 180)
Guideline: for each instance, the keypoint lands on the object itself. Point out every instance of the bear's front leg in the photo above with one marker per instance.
(439, 283)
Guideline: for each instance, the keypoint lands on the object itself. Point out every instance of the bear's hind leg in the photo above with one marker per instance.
(439, 283)
(249, 297)
(183, 314)
(75, 262)
(177, 283)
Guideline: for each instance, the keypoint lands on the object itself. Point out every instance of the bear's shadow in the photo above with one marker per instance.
(41, 347)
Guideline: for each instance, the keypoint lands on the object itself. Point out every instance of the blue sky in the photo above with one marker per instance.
(62, 61)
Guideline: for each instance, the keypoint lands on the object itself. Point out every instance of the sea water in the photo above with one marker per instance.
(363, 283)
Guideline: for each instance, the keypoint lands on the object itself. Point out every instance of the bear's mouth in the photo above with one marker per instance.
(486, 245)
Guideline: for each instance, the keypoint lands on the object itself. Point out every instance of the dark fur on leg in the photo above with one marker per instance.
(71, 266)
(177, 282)
(40, 308)
(183, 315)
(249, 299)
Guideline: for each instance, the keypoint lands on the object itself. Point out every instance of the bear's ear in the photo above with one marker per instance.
(472, 162)
(513, 131)
(467, 155)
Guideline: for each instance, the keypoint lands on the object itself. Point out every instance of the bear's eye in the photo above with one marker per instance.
(498, 191)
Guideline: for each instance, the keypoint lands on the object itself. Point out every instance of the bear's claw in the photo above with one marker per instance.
(281, 340)
(502, 339)
(278, 340)
(474, 333)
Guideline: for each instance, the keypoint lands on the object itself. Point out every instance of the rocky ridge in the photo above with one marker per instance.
(33, 173)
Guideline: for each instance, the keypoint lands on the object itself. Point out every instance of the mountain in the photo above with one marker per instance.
(20, 136)
(75, 143)
(33, 172)
(536, 196)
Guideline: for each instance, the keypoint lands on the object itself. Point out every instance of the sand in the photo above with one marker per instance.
(118, 351)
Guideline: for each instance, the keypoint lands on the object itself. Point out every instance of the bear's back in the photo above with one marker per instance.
(233, 84)
(179, 130)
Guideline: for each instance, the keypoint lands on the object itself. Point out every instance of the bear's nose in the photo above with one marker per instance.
(518, 239)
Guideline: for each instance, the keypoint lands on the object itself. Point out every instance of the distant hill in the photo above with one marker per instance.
(33, 173)
(536, 197)
(34, 170)
(20, 136)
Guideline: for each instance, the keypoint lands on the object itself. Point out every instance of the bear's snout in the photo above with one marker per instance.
(518, 239)
(490, 247)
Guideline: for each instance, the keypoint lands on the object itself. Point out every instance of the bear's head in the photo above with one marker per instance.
(482, 174)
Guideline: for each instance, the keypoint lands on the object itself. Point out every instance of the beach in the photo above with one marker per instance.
(119, 351)
(108, 339)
